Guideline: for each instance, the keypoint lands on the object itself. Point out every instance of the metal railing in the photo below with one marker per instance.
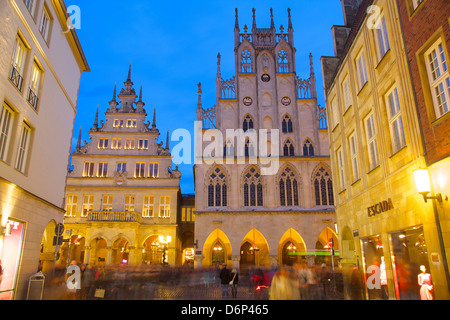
(15, 77)
(113, 216)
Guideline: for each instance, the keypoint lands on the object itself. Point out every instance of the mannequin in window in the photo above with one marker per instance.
(426, 288)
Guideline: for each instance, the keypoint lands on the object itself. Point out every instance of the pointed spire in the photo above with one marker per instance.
(96, 119)
(167, 140)
(219, 74)
(140, 94)
(154, 118)
(115, 92)
(290, 21)
(312, 78)
(129, 73)
(272, 23)
(199, 104)
(254, 20)
(236, 24)
(79, 140)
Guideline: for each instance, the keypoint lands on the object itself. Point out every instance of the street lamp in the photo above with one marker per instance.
(423, 185)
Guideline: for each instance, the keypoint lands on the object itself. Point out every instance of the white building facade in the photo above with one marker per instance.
(122, 195)
(41, 62)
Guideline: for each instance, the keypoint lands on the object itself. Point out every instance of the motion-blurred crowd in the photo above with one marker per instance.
(145, 282)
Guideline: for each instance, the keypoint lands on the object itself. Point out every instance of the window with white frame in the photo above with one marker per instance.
(395, 121)
(340, 163)
(107, 201)
(129, 203)
(438, 77)
(372, 147)
(44, 28)
(381, 38)
(24, 146)
(129, 144)
(143, 144)
(334, 112)
(6, 121)
(102, 169)
(361, 71)
(164, 207)
(33, 92)
(88, 170)
(416, 3)
(139, 171)
(88, 204)
(149, 203)
(18, 62)
(30, 4)
(116, 143)
(354, 156)
(153, 170)
(71, 205)
(346, 93)
(103, 143)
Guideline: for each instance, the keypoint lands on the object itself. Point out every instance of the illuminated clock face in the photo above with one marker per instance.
(286, 101)
(265, 77)
(247, 101)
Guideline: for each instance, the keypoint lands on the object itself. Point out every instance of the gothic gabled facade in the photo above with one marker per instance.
(238, 205)
(122, 194)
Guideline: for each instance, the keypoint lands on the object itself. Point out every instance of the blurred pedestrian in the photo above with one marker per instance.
(225, 280)
(234, 282)
(88, 281)
(279, 288)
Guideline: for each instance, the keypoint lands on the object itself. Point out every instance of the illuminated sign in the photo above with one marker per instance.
(380, 207)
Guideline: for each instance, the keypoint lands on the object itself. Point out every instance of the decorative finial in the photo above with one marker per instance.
(254, 19)
(236, 24)
(140, 94)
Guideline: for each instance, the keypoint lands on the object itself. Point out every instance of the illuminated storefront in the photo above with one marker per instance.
(10, 258)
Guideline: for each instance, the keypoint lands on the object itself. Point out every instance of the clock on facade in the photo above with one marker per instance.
(247, 101)
(265, 77)
(286, 101)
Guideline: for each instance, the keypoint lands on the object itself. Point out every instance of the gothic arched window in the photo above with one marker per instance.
(228, 149)
(288, 149)
(288, 188)
(217, 189)
(286, 125)
(323, 188)
(308, 148)
(246, 61)
(247, 124)
(283, 62)
(249, 149)
(253, 189)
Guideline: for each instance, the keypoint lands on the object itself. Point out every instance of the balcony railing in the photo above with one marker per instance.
(113, 216)
(16, 78)
(32, 99)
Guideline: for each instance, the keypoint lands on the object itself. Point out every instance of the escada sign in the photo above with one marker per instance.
(380, 207)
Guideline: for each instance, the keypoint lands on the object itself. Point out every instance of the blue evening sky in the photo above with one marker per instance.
(173, 46)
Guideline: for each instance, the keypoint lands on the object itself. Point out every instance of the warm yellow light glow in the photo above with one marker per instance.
(422, 180)
(7, 206)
